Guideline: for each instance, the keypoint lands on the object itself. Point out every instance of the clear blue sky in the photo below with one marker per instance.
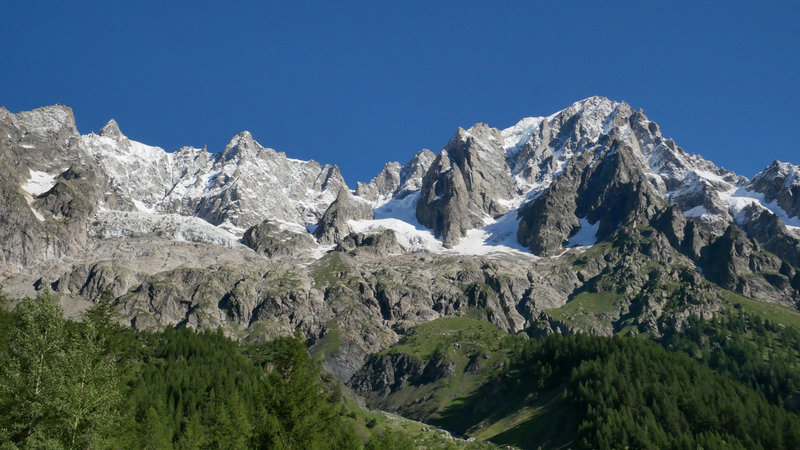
(362, 83)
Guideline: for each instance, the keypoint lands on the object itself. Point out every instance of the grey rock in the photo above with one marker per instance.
(269, 239)
(769, 230)
(383, 243)
(333, 225)
(683, 234)
(467, 182)
(38, 226)
(740, 264)
(385, 374)
(93, 230)
(383, 185)
(608, 191)
(396, 180)
(242, 186)
(544, 146)
(780, 182)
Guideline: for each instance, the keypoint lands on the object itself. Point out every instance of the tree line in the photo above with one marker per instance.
(97, 384)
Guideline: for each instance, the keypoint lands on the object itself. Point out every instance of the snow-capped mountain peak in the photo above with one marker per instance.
(111, 130)
(474, 189)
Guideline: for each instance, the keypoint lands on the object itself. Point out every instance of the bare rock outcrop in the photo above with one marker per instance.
(268, 238)
(333, 225)
(467, 182)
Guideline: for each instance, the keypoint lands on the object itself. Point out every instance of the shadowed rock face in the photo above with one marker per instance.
(740, 264)
(332, 226)
(607, 187)
(466, 182)
(682, 233)
(769, 230)
(51, 220)
(386, 374)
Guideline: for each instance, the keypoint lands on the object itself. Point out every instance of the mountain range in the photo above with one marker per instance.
(586, 220)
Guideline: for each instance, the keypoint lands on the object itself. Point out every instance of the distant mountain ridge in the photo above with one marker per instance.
(480, 175)
(591, 202)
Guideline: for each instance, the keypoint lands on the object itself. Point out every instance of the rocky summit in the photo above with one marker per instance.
(586, 220)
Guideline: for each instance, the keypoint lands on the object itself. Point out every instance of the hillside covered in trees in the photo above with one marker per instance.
(97, 384)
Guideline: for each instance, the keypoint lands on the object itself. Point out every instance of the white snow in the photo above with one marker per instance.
(697, 211)
(36, 213)
(497, 236)
(586, 235)
(708, 175)
(142, 207)
(514, 137)
(44, 121)
(291, 226)
(39, 182)
(399, 215)
(738, 199)
(162, 185)
(246, 184)
(233, 229)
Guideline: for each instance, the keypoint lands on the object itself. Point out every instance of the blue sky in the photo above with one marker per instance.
(362, 83)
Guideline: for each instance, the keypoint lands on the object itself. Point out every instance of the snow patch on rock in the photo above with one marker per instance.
(586, 236)
(39, 183)
(496, 237)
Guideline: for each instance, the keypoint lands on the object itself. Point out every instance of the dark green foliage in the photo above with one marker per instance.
(635, 394)
(296, 411)
(191, 379)
(627, 392)
(390, 440)
(57, 387)
(207, 391)
(758, 352)
(7, 319)
(98, 384)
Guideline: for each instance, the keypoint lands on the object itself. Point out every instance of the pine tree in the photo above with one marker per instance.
(92, 398)
(295, 413)
(156, 434)
(194, 435)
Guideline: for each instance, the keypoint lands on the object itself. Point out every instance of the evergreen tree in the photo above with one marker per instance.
(294, 412)
(156, 433)
(92, 398)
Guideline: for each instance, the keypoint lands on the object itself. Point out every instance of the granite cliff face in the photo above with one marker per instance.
(48, 187)
(586, 220)
(780, 183)
(468, 181)
(396, 180)
(238, 188)
(333, 226)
